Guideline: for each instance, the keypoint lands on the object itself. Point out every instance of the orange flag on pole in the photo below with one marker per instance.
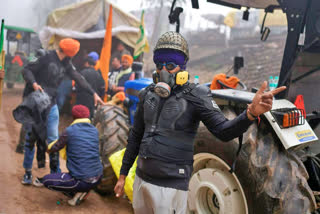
(106, 51)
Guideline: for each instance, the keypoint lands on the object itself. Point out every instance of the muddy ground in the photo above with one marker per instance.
(17, 198)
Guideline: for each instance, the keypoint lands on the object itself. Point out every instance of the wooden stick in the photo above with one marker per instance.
(2, 70)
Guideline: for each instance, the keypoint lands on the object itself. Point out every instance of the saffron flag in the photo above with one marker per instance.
(142, 43)
(106, 51)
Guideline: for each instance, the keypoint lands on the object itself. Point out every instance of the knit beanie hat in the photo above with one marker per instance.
(80, 111)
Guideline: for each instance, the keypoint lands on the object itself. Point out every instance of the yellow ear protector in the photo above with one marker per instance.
(182, 77)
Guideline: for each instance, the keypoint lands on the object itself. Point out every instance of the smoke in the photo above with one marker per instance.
(18, 13)
(29, 13)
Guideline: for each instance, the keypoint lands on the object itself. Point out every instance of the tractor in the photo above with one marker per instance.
(274, 167)
(27, 42)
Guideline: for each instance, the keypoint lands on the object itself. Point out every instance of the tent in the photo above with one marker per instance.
(85, 21)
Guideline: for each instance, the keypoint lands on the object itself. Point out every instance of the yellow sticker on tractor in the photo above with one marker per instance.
(305, 135)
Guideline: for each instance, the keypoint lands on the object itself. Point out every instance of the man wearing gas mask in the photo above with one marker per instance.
(45, 74)
(165, 125)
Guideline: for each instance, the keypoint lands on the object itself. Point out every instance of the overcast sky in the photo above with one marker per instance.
(205, 7)
(15, 12)
(26, 13)
(21, 12)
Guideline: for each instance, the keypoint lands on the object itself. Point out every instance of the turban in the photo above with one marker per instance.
(80, 111)
(69, 46)
(128, 58)
(120, 95)
(94, 55)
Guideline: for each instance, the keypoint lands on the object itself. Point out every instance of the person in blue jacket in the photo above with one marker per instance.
(81, 142)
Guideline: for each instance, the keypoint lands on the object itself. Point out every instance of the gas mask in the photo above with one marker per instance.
(164, 83)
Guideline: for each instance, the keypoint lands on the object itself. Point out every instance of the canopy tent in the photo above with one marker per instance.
(51, 36)
(86, 20)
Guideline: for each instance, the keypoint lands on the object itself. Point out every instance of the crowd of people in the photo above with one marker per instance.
(52, 74)
(165, 124)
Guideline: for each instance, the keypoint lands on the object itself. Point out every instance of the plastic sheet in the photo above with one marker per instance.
(116, 162)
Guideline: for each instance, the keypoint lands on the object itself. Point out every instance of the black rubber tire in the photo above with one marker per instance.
(113, 128)
(273, 179)
(10, 84)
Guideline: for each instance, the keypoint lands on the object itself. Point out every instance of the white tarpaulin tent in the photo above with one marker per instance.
(77, 19)
(48, 32)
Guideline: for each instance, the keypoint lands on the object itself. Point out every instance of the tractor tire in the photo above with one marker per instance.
(268, 178)
(113, 128)
(10, 84)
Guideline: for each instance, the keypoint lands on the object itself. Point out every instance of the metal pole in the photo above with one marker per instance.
(1, 70)
(296, 11)
(2, 57)
(29, 45)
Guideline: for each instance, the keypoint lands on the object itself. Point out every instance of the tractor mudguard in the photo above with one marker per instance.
(296, 137)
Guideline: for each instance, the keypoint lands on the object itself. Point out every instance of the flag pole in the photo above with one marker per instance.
(2, 60)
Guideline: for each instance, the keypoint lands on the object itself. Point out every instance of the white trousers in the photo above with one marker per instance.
(153, 199)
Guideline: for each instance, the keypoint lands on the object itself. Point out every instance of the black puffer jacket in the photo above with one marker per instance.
(33, 112)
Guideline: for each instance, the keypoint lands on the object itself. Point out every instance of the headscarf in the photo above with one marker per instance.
(80, 111)
(69, 46)
(128, 58)
(170, 55)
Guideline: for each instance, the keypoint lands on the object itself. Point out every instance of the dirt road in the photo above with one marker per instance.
(16, 198)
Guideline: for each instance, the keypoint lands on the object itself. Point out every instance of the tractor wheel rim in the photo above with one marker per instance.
(213, 189)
